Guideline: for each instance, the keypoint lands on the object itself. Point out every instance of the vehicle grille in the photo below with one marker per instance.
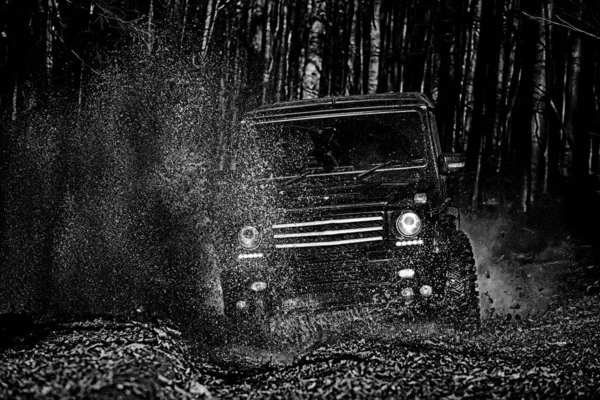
(337, 284)
(336, 230)
(334, 277)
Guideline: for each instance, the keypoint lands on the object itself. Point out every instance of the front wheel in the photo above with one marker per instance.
(460, 294)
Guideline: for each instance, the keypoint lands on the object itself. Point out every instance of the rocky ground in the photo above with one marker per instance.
(550, 355)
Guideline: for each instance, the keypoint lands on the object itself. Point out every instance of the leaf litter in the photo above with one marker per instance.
(553, 356)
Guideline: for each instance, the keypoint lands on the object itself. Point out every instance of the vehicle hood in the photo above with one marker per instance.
(348, 192)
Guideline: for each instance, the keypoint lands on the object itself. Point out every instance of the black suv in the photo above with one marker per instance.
(363, 214)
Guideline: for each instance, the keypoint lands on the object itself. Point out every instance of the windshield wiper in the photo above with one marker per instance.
(298, 178)
(369, 172)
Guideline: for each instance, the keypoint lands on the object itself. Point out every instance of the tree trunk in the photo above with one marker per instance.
(405, 49)
(348, 49)
(555, 80)
(374, 53)
(327, 77)
(584, 114)
(539, 135)
(522, 123)
(384, 73)
(413, 74)
(429, 64)
(208, 26)
(467, 61)
(184, 22)
(49, 39)
(150, 43)
(444, 108)
(476, 129)
(83, 56)
(266, 49)
(314, 57)
(504, 108)
(295, 51)
(351, 83)
(360, 50)
(571, 101)
(509, 153)
(284, 54)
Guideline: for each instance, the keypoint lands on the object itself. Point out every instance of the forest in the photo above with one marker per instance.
(112, 109)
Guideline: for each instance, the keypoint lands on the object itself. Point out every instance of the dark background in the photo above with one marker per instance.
(113, 113)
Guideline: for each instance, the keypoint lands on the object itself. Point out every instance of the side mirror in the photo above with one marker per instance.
(451, 163)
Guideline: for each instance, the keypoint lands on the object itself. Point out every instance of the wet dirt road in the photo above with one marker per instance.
(553, 356)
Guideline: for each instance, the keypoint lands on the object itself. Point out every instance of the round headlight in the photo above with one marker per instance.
(249, 237)
(408, 224)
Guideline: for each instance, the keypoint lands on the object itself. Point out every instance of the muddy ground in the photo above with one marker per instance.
(538, 338)
(549, 354)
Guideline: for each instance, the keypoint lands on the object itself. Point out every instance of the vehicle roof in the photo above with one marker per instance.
(328, 105)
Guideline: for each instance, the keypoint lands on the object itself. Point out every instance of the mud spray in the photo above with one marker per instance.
(519, 266)
(132, 215)
(520, 269)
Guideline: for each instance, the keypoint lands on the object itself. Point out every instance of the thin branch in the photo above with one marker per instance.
(86, 64)
(562, 23)
(573, 27)
(111, 15)
(225, 4)
(80, 58)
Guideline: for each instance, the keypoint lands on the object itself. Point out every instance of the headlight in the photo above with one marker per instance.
(408, 224)
(249, 237)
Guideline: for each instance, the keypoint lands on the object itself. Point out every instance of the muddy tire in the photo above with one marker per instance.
(461, 297)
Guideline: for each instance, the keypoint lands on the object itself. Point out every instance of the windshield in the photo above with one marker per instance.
(342, 144)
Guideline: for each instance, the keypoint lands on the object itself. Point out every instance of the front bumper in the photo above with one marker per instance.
(328, 278)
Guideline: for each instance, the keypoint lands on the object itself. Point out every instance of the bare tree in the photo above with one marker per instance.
(314, 52)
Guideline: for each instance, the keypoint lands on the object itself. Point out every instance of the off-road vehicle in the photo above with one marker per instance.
(362, 211)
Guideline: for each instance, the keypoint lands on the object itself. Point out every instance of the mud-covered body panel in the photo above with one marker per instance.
(334, 240)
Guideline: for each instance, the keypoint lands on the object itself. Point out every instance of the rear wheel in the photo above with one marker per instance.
(460, 295)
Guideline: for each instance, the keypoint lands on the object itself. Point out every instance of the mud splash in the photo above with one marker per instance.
(519, 268)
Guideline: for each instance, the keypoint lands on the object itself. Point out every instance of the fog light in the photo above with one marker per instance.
(407, 292)
(406, 273)
(251, 255)
(258, 286)
(241, 305)
(409, 242)
(426, 290)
